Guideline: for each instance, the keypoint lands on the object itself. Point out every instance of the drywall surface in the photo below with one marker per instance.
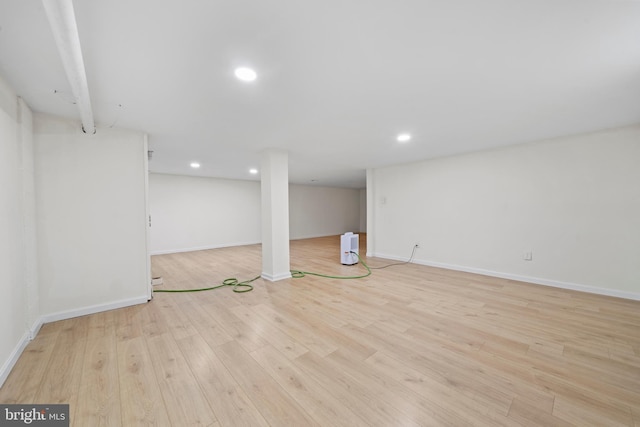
(573, 203)
(322, 211)
(192, 213)
(19, 302)
(25, 136)
(91, 216)
(363, 210)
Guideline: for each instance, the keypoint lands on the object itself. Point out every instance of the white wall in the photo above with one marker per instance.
(73, 222)
(19, 302)
(25, 136)
(573, 202)
(91, 217)
(322, 211)
(192, 213)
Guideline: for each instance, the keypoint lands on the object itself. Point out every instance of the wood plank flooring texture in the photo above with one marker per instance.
(408, 346)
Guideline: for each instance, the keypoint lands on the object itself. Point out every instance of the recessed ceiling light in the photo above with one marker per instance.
(253, 171)
(195, 165)
(403, 137)
(245, 74)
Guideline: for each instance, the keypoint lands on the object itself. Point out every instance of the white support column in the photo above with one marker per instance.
(274, 172)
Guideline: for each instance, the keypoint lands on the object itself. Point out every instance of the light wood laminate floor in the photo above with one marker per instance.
(408, 346)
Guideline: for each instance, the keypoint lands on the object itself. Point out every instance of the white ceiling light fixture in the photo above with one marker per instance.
(245, 74)
(404, 137)
(62, 21)
(253, 171)
(195, 165)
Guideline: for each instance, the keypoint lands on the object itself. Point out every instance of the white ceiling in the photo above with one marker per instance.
(337, 80)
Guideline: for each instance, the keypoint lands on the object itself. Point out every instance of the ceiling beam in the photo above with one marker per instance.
(62, 20)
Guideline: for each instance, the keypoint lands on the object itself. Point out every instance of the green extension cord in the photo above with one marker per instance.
(240, 287)
(297, 274)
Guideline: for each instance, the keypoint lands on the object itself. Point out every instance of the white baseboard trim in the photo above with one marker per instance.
(68, 314)
(13, 358)
(203, 248)
(520, 278)
(35, 328)
(276, 277)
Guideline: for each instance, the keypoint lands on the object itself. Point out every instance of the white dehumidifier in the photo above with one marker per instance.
(349, 244)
